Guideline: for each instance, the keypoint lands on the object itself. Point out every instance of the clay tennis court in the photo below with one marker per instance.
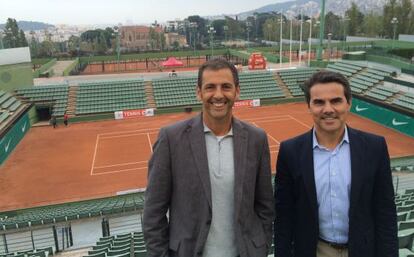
(152, 65)
(98, 159)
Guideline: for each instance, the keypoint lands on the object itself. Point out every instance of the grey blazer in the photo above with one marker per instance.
(179, 183)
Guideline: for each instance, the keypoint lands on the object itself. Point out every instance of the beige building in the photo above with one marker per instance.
(170, 38)
(137, 37)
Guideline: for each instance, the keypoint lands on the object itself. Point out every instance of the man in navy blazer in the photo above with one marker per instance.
(334, 194)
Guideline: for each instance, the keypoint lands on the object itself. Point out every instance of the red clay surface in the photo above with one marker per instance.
(190, 63)
(98, 159)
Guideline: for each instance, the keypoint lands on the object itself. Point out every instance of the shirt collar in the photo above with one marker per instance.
(208, 130)
(345, 138)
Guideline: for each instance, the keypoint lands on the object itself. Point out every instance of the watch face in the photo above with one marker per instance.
(5, 77)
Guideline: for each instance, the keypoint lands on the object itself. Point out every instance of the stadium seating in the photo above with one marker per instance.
(405, 217)
(175, 92)
(70, 211)
(110, 96)
(259, 85)
(57, 94)
(406, 101)
(37, 252)
(294, 79)
(131, 244)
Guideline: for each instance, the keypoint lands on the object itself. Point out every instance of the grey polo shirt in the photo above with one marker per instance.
(221, 239)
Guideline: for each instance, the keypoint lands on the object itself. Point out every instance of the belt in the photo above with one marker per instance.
(335, 245)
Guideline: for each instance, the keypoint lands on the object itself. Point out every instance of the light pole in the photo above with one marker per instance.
(193, 26)
(290, 44)
(309, 40)
(321, 31)
(329, 46)
(211, 32)
(248, 32)
(394, 22)
(344, 39)
(300, 38)
(280, 42)
(118, 50)
(1, 40)
(225, 28)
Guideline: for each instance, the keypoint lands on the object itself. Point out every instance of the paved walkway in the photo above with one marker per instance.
(59, 67)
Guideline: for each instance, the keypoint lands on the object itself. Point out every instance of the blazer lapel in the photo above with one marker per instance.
(357, 154)
(240, 138)
(307, 168)
(198, 148)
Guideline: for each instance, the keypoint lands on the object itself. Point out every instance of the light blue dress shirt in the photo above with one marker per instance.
(332, 170)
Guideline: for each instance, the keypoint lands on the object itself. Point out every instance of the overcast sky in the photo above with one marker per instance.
(120, 11)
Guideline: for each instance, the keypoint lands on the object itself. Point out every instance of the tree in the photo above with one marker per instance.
(404, 10)
(372, 25)
(34, 45)
(22, 39)
(390, 11)
(333, 25)
(356, 18)
(13, 36)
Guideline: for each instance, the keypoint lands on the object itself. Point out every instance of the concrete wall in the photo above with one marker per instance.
(125, 224)
(86, 232)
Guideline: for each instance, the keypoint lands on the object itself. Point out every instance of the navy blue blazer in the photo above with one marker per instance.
(372, 213)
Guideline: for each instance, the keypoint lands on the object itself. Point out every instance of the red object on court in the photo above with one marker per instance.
(257, 61)
(172, 62)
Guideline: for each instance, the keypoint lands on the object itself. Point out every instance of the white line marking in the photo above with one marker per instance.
(94, 155)
(267, 117)
(149, 141)
(118, 171)
(300, 122)
(127, 135)
(119, 164)
(130, 131)
(273, 138)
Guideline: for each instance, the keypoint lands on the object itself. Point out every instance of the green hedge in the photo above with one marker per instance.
(71, 67)
(44, 68)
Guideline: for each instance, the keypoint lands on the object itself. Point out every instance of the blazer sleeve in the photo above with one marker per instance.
(157, 198)
(264, 205)
(284, 202)
(386, 232)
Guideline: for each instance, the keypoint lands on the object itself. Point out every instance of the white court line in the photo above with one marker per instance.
(277, 142)
(117, 171)
(130, 131)
(119, 164)
(273, 139)
(149, 141)
(300, 122)
(128, 135)
(264, 121)
(267, 117)
(94, 155)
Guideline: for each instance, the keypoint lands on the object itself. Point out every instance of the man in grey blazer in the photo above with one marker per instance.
(211, 173)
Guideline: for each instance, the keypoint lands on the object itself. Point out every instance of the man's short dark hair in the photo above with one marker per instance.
(324, 76)
(217, 64)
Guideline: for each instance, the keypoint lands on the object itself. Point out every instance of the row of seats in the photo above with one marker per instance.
(110, 96)
(405, 217)
(406, 101)
(58, 94)
(8, 105)
(70, 211)
(125, 245)
(37, 252)
(294, 79)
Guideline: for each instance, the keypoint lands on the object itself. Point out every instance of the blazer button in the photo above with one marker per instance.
(208, 222)
(200, 252)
